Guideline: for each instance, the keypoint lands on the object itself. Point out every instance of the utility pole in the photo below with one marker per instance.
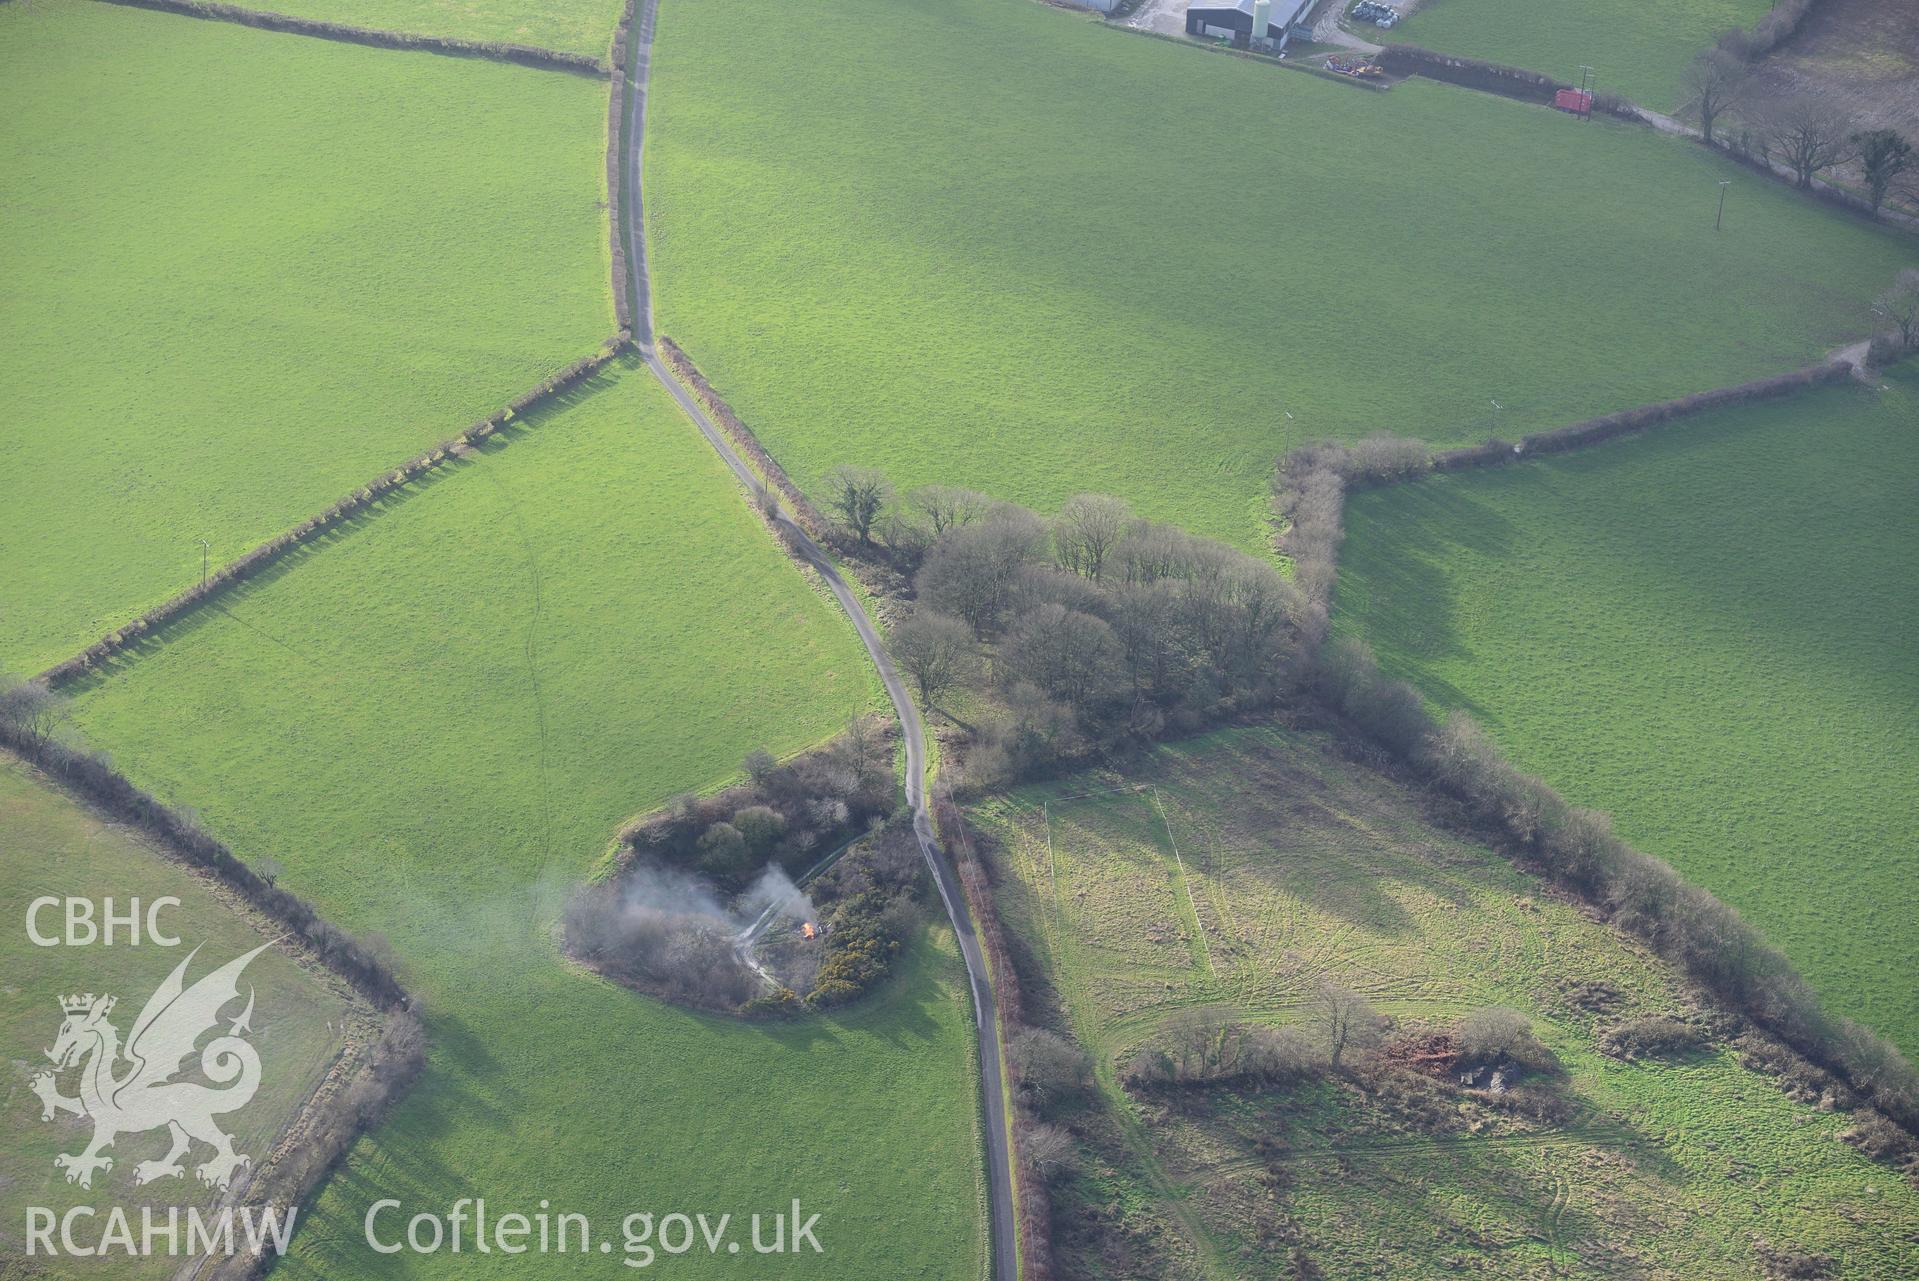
(1720, 220)
(1586, 77)
(206, 552)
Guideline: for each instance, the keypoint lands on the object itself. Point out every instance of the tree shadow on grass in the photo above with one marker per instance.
(1395, 585)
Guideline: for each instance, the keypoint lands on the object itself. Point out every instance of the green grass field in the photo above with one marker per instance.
(573, 26)
(1230, 873)
(1640, 50)
(1707, 632)
(437, 722)
(51, 847)
(247, 271)
(1123, 268)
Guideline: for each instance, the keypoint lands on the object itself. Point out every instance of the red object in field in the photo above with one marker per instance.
(1577, 101)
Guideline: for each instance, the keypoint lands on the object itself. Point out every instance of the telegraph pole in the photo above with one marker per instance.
(206, 552)
(1720, 220)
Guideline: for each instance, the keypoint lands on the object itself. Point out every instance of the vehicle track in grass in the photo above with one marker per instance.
(1003, 1241)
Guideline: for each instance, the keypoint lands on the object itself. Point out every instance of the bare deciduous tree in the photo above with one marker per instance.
(1900, 306)
(1050, 1150)
(858, 494)
(1343, 1021)
(1046, 1064)
(31, 710)
(1088, 527)
(1712, 83)
(936, 650)
(949, 506)
(1884, 155)
(1806, 136)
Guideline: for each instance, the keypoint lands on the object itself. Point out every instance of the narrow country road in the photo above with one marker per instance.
(1004, 1239)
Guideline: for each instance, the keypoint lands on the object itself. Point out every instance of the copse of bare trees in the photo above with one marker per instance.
(1099, 626)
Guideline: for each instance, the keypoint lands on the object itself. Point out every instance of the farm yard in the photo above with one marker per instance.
(1036, 292)
(1757, 566)
(1224, 877)
(1008, 425)
(51, 847)
(1639, 50)
(291, 284)
(438, 721)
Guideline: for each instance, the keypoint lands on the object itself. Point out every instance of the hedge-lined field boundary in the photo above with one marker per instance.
(810, 517)
(1606, 427)
(615, 172)
(265, 20)
(1034, 1205)
(1492, 77)
(1532, 823)
(267, 553)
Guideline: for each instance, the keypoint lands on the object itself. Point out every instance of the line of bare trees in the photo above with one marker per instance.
(1803, 134)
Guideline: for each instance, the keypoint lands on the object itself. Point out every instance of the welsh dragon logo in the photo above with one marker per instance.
(131, 1089)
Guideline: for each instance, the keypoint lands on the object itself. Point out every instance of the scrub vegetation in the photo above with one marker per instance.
(1220, 897)
(226, 309)
(1706, 632)
(439, 719)
(1148, 271)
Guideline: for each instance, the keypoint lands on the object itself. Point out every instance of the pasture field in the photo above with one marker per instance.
(1228, 874)
(437, 721)
(49, 846)
(1640, 50)
(1146, 270)
(571, 26)
(247, 271)
(1708, 633)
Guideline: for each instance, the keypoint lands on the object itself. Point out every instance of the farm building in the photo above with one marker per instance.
(1236, 20)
